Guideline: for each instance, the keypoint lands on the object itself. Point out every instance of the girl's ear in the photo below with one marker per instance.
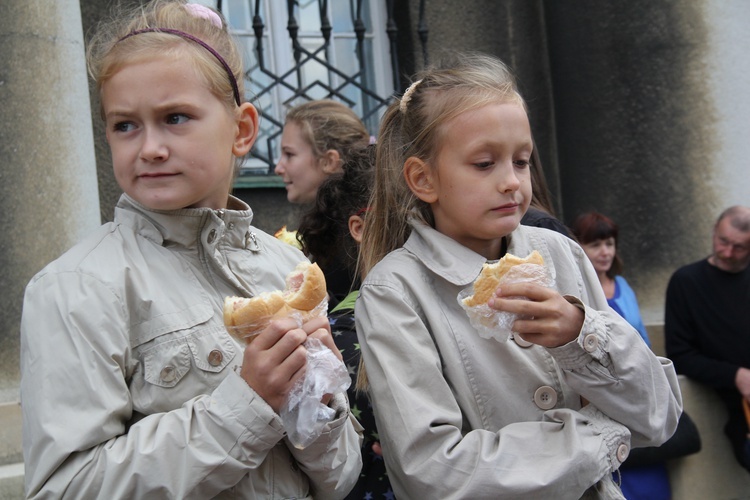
(247, 129)
(331, 160)
(356, 226)
(418, 177)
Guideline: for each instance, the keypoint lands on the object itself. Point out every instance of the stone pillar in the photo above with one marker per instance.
(48, 188)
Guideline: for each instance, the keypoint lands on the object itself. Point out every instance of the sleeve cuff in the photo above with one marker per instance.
(590, 344)
(250, 410)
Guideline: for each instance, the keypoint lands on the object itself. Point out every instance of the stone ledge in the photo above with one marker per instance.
(10, 434)
(11, 482)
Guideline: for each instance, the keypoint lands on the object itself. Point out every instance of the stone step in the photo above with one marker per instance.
(11, 482)
(11, 456)
(10, 433)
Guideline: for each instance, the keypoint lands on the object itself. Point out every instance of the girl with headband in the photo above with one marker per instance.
(131, 386)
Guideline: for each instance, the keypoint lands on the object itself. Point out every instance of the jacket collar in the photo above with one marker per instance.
(457, 264)
(186, 227)
(443, 255)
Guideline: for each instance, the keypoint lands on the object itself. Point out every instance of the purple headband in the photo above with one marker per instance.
(188, 36)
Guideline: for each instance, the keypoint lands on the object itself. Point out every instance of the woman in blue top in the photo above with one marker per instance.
(597, 234)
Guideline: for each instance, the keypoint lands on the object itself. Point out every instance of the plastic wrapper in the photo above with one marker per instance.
(304, 416)
(248, 331)
(498, 325)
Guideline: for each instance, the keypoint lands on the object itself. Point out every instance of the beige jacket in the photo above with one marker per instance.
(128, 383)
(460, 416)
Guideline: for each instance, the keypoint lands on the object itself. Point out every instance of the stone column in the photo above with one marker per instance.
(48, 187)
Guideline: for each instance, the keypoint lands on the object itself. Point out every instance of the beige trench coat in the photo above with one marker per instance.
(460, 416)
(128, 384)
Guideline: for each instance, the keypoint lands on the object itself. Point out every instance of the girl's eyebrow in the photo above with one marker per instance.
(166, 107)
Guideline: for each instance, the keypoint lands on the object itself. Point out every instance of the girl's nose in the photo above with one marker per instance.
(278, 169)
(153, 148)
(509, 181)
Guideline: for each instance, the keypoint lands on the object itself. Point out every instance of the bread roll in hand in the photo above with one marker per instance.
(304, 296)
(489, 279)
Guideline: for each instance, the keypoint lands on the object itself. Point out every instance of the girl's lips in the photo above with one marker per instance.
(156, 175)
(508, 207)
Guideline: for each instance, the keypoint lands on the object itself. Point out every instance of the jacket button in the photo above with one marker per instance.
(622, 452)
(215, 357)
(545, 397)
(211, 236)
(590, 342)
(168, 374)
(521, 342)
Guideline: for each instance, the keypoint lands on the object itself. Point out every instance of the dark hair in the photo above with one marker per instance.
(593, 226)
(324, 228)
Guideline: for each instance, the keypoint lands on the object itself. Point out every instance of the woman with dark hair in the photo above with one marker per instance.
(641, 477)
(597, 234)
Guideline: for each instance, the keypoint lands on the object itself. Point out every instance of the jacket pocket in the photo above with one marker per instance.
(179, 366)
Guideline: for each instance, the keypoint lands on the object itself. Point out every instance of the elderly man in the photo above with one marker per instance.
(707, 321)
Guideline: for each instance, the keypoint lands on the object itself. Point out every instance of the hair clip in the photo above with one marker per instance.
(407, 96)
(198, 10)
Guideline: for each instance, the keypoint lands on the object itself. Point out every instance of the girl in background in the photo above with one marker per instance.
(549, 414)
(318, 138)
(131, 386)
(332, 229)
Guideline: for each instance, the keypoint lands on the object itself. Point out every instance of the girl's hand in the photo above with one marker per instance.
(276, 358)
(320, 328)
(274, 361)
(551, 321)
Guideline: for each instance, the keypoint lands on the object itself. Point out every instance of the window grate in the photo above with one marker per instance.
(355, 64)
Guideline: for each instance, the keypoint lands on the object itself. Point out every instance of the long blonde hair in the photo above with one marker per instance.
(413, 127)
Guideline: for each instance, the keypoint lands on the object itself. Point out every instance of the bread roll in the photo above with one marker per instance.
(305, 287)
(305, 290)
(243, 311)
(489, 279)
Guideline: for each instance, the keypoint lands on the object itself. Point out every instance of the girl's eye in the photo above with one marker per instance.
(483, 164)
(177, 119)
(123, 127)
(521, 163)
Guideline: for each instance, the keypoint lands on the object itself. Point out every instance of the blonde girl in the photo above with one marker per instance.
(131, 386)
(548, 414)
(319, 137)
